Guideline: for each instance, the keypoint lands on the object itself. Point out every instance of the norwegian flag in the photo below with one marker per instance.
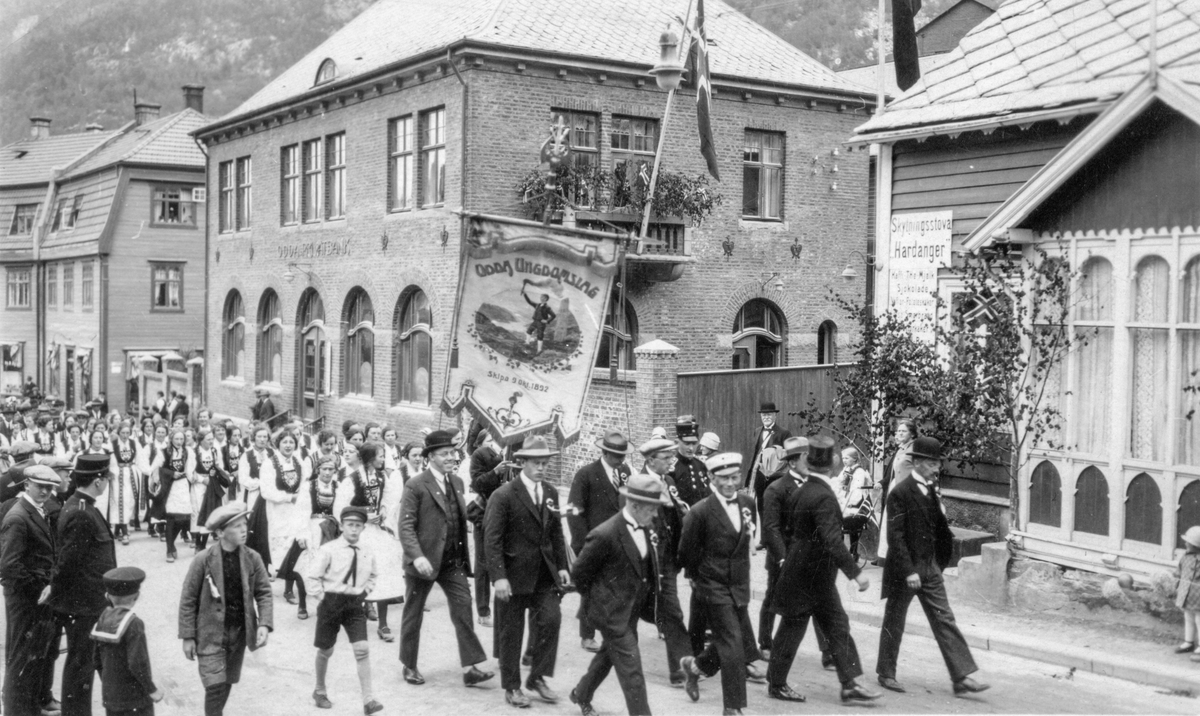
(704, 92)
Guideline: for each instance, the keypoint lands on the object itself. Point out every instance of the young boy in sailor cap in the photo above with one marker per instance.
(124, 660)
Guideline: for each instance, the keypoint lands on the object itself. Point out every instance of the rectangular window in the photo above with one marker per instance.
(335, 176)
(73, 216)
(313, 196)
(58, 215)
(634, 142)
(22, 221)
(225, 188)
(433, 157)
(86, 285)
(68, 293)
(52, 285)
(762, 175)
(17, 279)
(289, 189)
(584, 136)
(400, 166)
(166, 287)
(243, 193)
(172, 206)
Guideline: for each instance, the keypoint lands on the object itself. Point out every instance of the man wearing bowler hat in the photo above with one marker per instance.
(527, 558)
(769, 435)
(919, 548)
(618, 568)
(593, 500)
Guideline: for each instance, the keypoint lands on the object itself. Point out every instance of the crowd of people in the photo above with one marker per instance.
(357, 520)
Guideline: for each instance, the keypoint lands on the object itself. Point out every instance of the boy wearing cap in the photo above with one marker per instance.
(340, 577)
(225, 606)
(127, 685)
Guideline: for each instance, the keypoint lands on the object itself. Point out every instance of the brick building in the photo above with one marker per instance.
(333, 247)
(103, 255)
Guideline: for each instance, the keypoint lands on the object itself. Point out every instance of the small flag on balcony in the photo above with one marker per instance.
(704, 92)
(904, 42)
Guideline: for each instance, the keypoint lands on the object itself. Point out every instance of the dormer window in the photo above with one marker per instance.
(327, 72)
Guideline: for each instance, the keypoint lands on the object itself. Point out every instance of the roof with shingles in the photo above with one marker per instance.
(30, 161)
(1040, 54)
(165, 141)
(623, 31)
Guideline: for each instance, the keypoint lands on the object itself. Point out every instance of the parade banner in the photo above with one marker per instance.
(528, 322)
(919, 246)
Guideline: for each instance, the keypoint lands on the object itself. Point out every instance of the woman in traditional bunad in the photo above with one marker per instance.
(254, 467)
(366, 486)
(174, 493)
(392, 456)
(70, 442)
(123, 488)
(155, 513)
(327, 447)
(288, 512)
(220, 480)
(355, 437)
(412, 464)
(231, 457)
(204, 469)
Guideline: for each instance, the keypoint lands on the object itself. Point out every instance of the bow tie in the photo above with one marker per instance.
(732, 502)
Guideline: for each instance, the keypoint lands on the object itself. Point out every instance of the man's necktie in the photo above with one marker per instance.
(352, 576)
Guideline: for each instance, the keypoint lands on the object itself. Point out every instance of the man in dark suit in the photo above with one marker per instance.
(777, 533)
(715, 550)
(86, 551)
(527, 558)
(12, 483)
(181, 409)
(618, 568)
(689, 473)
(263, 408)
(489, 470)
(807, 584)
(433, 533)
(770, 434)
(28, 549)
(919, 547)
(594, 499)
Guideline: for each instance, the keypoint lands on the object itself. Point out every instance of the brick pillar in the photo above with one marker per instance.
(657, 392)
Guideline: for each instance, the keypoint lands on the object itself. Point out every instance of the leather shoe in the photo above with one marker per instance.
(372, 614)
(373, 707)
(289, 597)
(785, 693)
(766, 654)
(485, 622)
(475, 676)
(413, 676)
(517, 698)
(891, 684)
(755, 675)
(857, 692)
(692, 672)
(322, 700)
(827, 661)
(589, 645)
(544, 692)
(527, 660)
(585, 708)
(731, 712)
(385, 634)
(1186, 647)
(302, 614)
(968, 685)
(678, 679)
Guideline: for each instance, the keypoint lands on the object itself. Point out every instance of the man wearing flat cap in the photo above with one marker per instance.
(593, 500)
(769, 435)
(618, 568)
(24, 455)
(919, 548)
(85, 553)
(27, 556)
(527, 559)
(225, 606)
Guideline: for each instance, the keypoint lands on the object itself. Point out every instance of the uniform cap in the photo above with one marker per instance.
(725, 463)
(123, 581)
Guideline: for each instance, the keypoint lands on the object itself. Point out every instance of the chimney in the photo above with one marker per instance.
(39, 127)
(93, 128)
(144, 112)
(193, 97)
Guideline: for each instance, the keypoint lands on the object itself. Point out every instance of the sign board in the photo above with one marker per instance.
(530, 313)
(115, 367)
(919, 245)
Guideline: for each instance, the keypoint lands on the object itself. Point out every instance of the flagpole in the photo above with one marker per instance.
(882, 69)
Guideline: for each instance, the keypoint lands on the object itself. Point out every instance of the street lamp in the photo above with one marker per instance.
(289, 275)
(668, 73)
(849, 274)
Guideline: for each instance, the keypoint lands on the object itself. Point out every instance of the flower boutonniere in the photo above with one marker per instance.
(748, 518)
(653, 537)
(551, 504)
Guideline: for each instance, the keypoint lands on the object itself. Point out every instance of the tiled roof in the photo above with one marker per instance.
(1039, 54)
(626, 31)
(868, 76)
(31, 160)
(165, 141)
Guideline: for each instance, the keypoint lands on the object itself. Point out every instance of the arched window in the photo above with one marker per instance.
(758, 336)
(1093, 392)
(1091, 502)
(827, 343)
(1189, 509)
(327, 72)
(359, 352)
(1150, 345)
(270, 338)
(625, 334)
(414, 349)
(234, 348)
(1143, 510)
(1045, 495)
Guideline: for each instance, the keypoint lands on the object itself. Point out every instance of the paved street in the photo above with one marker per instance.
(277, 679)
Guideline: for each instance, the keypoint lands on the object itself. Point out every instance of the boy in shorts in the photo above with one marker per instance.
(340, 577)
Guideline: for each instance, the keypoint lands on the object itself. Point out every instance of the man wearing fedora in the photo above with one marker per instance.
(86, 551)
(433, 534)
(263, 408)
(489, 470)
(768, 435)
(619, 569)
(689, 473)
(807, 586)
(225, 606)
(919, 548)
(593, 500)
(527, 559)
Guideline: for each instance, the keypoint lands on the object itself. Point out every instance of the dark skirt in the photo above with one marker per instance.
(287, 568)
(157, 502)
(259, 538)
(214, 497)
